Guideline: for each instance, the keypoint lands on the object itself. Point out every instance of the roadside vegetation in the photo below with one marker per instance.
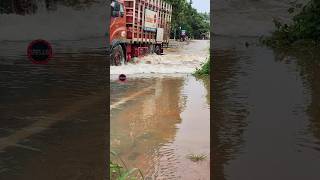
(304, 28)
(203, 74)
(185, 16)
(119, 171)
(204, 70)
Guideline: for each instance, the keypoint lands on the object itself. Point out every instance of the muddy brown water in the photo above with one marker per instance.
(265, 112)
(53, 116)
(160, 115)
(265, 101)
(158, 127)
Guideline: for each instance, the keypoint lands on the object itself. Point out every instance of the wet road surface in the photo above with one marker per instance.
(182, 58)
(53, 116)
(265, 103)
(161, 114)
(160, 122)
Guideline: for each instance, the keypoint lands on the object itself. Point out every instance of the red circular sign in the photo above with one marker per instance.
(122, 77)
(39, 51)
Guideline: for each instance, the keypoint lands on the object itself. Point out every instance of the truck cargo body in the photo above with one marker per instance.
(138, 27)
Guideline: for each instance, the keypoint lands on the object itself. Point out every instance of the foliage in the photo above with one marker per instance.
(121, 172)
(305, 26)
(204, 70)
(185, 16)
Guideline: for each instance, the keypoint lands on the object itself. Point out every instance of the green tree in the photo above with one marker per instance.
(186, 17)
(305, 26)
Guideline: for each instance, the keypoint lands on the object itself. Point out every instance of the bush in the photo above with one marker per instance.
(304, 27)
(204, 70)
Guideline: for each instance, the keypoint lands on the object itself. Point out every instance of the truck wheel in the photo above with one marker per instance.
(157, 50)
(117, 56)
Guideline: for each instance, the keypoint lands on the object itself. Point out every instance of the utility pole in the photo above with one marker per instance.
(191, 2)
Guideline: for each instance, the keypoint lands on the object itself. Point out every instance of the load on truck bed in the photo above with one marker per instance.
(138, 27)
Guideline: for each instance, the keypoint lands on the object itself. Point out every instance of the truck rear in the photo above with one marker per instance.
(137, 28)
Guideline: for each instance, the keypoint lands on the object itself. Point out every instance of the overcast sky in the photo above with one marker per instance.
(201, 5)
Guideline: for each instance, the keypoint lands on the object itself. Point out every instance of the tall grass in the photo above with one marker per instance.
(121, 171)
(204, 70)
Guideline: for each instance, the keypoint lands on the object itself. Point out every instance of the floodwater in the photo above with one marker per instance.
(161, 122)
(53, 116)
(161, 114)
(182, 58)
(265, 104)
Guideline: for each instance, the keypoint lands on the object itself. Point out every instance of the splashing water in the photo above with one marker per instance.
(180, 61)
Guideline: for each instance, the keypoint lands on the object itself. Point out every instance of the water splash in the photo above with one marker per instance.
(182, 61)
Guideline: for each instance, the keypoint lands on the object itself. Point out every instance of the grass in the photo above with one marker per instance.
(121, 172)
(196, 157)
(204, 70)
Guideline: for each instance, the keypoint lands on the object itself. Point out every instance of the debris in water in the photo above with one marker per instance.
(196, 157)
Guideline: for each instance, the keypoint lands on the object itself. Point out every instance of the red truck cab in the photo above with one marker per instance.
(137, 28)
(117, 32)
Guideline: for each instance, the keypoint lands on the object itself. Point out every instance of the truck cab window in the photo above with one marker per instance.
(117, 9)
(112, 8)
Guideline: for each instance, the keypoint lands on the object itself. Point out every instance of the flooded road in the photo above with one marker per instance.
(53, 116)
(265, 106)
(161, 115)
(157, 129)
(183, 58)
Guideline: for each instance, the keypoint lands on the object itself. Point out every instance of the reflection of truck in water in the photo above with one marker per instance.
(138, 27)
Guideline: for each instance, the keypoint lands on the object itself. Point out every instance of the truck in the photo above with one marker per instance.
(138, 28)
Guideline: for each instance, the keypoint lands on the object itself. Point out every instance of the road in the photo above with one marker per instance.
(184, 59)
(53, 116)
(161, 114)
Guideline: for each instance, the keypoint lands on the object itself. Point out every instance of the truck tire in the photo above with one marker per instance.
(117, 56)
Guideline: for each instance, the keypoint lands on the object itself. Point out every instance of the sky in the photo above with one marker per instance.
(201, 5)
